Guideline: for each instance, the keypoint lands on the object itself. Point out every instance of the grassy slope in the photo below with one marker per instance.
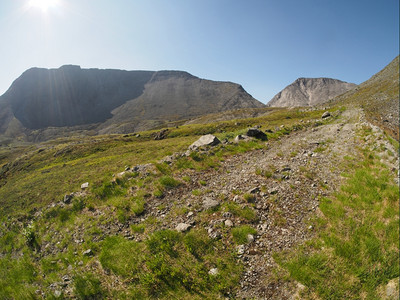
(171, 264)
(379, 96)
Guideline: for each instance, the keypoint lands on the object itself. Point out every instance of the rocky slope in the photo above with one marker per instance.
(70, 96)
(310, 92)
(379, 96)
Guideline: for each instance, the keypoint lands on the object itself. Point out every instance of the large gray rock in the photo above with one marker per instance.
(182, 227)
(209, 203)
(256, 133)
(205, 140)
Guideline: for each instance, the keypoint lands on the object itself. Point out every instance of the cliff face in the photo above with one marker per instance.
(310, 92)
(71, 96)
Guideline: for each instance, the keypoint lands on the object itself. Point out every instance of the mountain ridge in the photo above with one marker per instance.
(310, 92)
(118, 101)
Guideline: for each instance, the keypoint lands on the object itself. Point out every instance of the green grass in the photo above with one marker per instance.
(169, 182)
(246, 213)
(170, 263)
(240, 233)
(356, 249)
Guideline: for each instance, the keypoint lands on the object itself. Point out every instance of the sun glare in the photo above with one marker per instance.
(44, 5)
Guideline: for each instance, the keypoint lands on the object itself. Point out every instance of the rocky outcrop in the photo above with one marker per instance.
(310, 92)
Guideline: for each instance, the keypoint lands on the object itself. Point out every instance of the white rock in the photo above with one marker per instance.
(182, 227)
(84, 185)
(205, 140)
(228, 223)
(213, 271)
(250, 238)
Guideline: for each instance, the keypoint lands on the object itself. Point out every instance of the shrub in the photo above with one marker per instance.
(138, 228)
(121, 256)
(249, 197)
(197, 243)
(107, 189)
(138, 207)
(246, 212)
(88, 287)
(240, 233)
(163, 241)
(30, 237)
(169, 182)
(163, 168)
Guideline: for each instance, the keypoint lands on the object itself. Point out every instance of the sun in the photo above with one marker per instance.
(44, 5)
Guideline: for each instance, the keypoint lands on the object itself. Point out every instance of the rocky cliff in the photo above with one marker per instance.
(71, 96)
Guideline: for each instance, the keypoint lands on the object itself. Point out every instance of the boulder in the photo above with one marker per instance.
(228, 223)
(85, 185)
(205, 140)
(68, 198)
(182, 227)
(161, 134)
(256, 133)
(240, 137)
(209, 203)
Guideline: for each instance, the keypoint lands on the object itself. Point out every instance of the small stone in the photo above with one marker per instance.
(240, 249)
(228, 223)
(68, 198)
(88, 252)
(213, 271)
(85, 185)
(57, 293)
(80, 263)
(209, 203)
(215, 235)
(66, 278)
(250, 238)
(254, 190)
(273, 191)
(182, 227)
(392, 289)
(190, 213)
(240, 137)
(227, 214)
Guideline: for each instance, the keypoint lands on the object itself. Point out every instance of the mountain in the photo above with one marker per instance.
(70, 96)
(379, 97)
(310, 92)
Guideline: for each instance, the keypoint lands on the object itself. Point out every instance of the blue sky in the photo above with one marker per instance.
(262, 44)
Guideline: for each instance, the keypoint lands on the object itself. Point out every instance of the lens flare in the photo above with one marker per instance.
(44, 5)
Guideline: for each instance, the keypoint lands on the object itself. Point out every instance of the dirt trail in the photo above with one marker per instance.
(304, 166)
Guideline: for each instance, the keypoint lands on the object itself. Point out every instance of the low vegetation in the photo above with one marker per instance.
(355, 250)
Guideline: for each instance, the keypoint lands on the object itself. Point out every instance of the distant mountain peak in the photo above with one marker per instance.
(310, 91)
